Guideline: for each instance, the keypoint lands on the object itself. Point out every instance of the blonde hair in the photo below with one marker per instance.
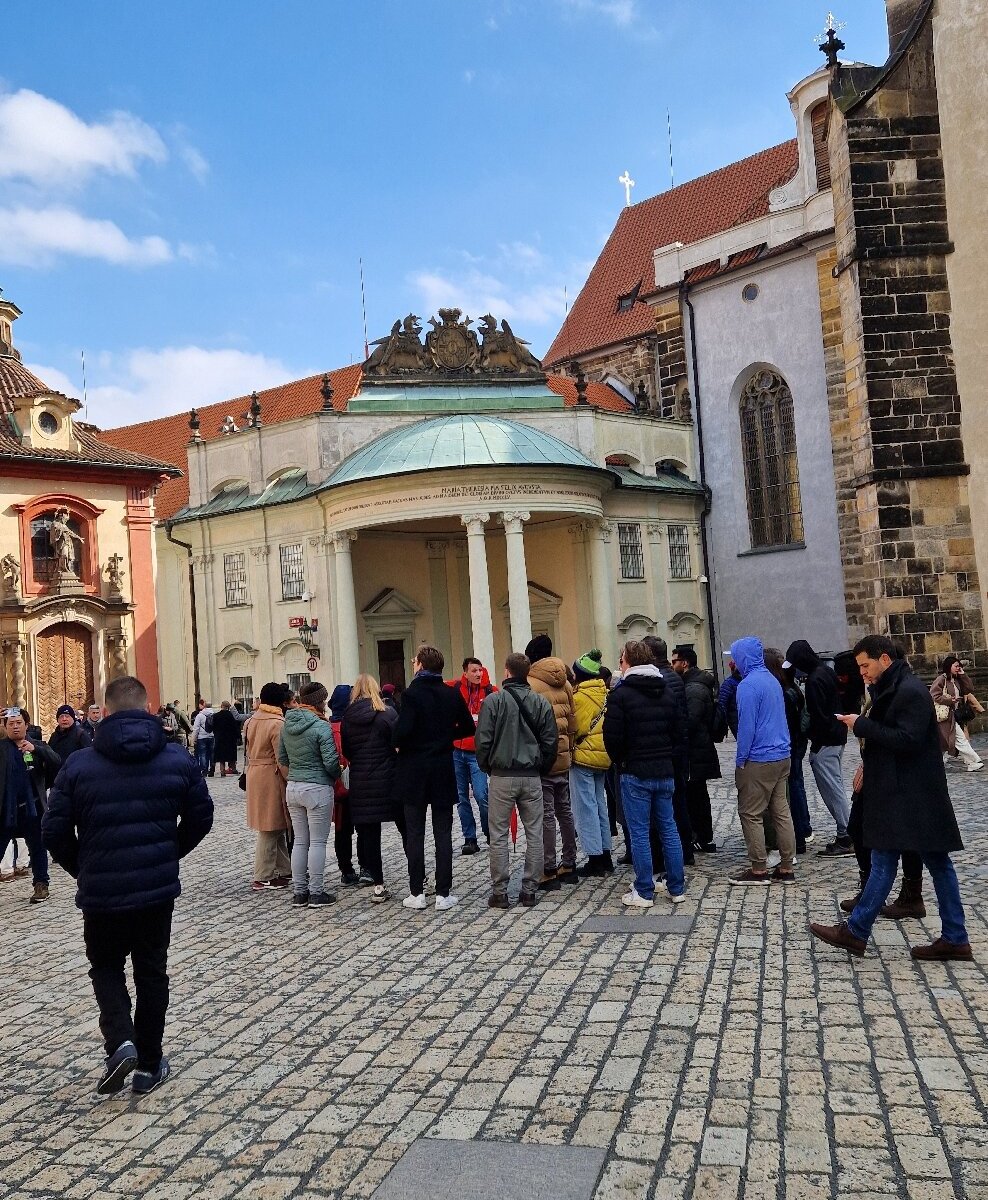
(366, 687)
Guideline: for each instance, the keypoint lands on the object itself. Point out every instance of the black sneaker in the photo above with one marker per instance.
(349, 878)
(147, 1081)
(470, 847)
(497, 900)
(365, 878)
(318, 899)
(840, 847)
(118, 1066)
(301, 900)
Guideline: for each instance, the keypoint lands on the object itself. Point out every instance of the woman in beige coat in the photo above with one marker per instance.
(266, 779)
(949, 688)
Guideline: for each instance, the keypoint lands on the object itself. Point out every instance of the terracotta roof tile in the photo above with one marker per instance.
(686, 214)
(18, 383)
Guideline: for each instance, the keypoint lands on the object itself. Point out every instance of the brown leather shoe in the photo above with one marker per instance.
(839, 936)
(941, 951)
(497, 901)
(528, 899)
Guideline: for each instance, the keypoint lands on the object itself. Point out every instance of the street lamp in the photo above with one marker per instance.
(307, 632)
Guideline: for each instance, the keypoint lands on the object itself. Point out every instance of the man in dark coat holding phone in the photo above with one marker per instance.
(907, 806)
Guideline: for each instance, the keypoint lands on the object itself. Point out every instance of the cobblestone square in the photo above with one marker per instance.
(731, 1057)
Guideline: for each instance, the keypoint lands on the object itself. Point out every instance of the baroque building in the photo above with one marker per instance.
(76, 548)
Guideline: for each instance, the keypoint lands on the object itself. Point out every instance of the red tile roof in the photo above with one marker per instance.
(18, 383)
(169, 436)
(687, 214)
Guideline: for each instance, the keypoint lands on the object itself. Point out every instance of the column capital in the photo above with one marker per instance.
(513, 519)
(261, 552)
(475, 522)
(654, 531)
(202, 562)
(341, 539)
(605, 529)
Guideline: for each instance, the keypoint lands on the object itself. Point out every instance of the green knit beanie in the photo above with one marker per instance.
(589, 664)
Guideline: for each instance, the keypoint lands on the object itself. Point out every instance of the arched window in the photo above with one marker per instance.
(771, 471)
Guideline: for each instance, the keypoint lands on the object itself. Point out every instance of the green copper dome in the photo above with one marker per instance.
(456, 441)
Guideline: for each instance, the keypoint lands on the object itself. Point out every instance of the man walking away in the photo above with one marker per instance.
(516, 741)
(645, 734)
(432, 717)
(701, 703)
(548, 677)
(119, 818)
(474, 686)
(906, 803)
(762, 765)
(827, 740)
(202, 738)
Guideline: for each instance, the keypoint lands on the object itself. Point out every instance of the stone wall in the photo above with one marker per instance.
(917, 578)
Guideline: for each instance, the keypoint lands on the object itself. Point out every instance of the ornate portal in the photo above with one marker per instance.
(452, 350)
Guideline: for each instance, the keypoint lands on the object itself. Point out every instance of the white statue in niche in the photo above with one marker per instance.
(63, 541)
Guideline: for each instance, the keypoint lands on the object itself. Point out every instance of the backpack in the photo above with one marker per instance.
(207, 725)
(718, 723)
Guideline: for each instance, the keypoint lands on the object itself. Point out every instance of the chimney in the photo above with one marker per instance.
(899, 14)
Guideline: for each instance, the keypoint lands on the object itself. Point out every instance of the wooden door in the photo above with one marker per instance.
(65, 671)
(391, 663)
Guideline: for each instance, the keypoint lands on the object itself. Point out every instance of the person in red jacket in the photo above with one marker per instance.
(475, 686)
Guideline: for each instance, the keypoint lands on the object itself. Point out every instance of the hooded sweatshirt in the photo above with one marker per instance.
(763, 733)
(822, 699)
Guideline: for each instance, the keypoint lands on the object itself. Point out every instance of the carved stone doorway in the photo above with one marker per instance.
(64, 654)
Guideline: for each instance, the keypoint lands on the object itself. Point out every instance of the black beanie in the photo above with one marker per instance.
(539, 647)
(273, 694)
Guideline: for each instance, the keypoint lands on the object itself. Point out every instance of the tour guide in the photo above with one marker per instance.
(907, 806)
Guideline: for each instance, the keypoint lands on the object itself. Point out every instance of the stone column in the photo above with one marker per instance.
(480, 590)
(602, 584)
(346, 607)
(17, 693)
(519, 610)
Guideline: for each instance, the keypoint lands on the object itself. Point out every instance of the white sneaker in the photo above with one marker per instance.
(413, 902)
(976, 766)
(633, 900)
(773, 860)
(443, 903)
(810, 838)
(380, 894)
(680, 899)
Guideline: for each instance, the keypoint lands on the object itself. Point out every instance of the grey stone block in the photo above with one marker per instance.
(641, 922)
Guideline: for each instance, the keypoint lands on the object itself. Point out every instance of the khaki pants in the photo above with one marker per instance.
(271, 859)
(507, 792)
(762, 787)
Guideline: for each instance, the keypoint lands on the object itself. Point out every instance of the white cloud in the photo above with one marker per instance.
(469, 75)
(45, 143)
(144, 384)
(624, 14)
(37, 237)
(477, 293)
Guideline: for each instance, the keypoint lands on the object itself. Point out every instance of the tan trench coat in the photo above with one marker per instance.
(266, 811)
(951, 692)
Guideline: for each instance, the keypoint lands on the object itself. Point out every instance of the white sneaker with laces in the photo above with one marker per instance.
(680, 899)
(975, 766)
(773, 860)
(443, 903)
(413, 902)
(633, 900)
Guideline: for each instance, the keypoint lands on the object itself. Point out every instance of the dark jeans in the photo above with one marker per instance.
(884, 868)
(204, 755)
(798, 804)
(142, 934)
(343, 843)
(30, 831)
(369, 849)
(698, 803)
(442, 832)
(681, 814)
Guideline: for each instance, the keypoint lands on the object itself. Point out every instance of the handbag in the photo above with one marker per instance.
(942, 713)
(965, 712)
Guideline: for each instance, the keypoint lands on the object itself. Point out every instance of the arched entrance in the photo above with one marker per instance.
(65, 670)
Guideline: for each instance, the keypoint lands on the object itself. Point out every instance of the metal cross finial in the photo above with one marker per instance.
(629, 183)
(829, 43)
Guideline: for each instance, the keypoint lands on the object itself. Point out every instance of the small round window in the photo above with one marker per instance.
(48, 423)
(749, 292)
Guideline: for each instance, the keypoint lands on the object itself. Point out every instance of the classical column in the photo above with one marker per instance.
(519, 610)
(346, 606)
(17, 694)
(480, 590)
(602, 584)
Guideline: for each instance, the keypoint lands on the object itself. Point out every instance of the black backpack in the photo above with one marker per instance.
(208, 723)
(718, 723)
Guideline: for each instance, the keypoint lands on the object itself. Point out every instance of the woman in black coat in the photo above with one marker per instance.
(701, 699)
(366, 739)
(226, 734)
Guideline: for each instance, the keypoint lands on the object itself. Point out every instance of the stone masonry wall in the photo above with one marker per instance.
(917, 578)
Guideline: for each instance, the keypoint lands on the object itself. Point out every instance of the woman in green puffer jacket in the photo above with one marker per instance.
(308, 750)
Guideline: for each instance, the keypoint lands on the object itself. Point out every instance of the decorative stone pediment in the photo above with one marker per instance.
(637, 621)
(391, 603)
(540, 599)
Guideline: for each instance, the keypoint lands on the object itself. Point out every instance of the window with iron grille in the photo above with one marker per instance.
(242, 691)
(771, 470)
(235, 578)
(292, 572)
(630, 546)
(679, 552)
(297, 681)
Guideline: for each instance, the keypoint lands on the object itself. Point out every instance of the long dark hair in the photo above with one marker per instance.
(947, 665)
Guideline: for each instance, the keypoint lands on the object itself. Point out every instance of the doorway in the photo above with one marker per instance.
(391, 662)
(65, 670)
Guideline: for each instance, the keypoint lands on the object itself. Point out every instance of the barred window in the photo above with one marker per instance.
(242, 691)
(630, 546)
(235, 578)
(292, 572)
(679, 552)
(297, 681)
(771, 471)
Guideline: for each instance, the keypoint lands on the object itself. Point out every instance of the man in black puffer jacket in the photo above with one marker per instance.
(120, 816)
(68, 736)
(645, 734)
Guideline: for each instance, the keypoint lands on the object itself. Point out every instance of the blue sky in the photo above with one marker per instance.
(185, 190)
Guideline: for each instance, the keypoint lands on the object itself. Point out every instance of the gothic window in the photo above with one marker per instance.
(292, 572)
(235, 578)
(679, 552)
(771, 470)
(630, 546)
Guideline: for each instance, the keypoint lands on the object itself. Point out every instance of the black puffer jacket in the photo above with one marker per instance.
(822, 699)
(644, 728)
(701, 699)
(122, 814)
(67, 741)
(365, 736)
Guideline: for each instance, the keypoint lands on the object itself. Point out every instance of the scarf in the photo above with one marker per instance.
(17, 792)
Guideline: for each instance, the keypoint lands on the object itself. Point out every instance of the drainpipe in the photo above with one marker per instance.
(187, 546)
(684, 295)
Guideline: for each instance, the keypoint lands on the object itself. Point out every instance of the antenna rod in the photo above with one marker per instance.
(363, 306)
(85, 396)
(672, 174)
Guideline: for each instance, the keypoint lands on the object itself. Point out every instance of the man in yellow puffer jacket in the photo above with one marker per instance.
(590, 763)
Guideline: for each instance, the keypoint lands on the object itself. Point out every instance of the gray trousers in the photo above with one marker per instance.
(507, 792)
(556, 806)
(826, 767)
(310, 806)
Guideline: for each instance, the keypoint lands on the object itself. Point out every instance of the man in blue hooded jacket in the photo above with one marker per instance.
(762, 765)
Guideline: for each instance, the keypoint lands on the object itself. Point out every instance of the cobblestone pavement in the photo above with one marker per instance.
(311, 1049)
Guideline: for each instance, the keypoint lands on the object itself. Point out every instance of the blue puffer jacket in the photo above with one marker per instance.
(122, 814)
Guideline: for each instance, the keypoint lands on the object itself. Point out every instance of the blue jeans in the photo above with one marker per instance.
(469, 775)
(589, 799)
(798, 805)
(648, 802)
(884, 868)
(204, 754)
